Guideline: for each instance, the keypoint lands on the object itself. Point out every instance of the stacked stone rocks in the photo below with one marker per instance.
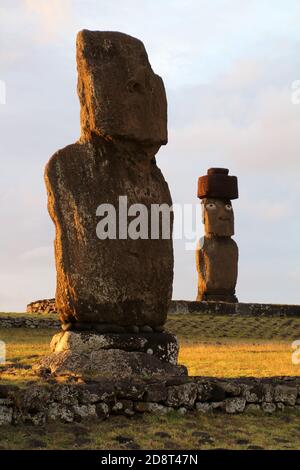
(66, 403)
(185, 307)
(42, 306)
(113, 285)
(182, 307)
(10, 321)
(112, 355)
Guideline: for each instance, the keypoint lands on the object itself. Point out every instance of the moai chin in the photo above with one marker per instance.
(111, 284)
(217, 252)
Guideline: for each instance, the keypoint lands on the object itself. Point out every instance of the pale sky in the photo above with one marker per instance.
(228, 67)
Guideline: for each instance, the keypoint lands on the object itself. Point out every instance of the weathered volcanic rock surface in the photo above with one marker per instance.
(217, 265)
(164, 346)
(111, 363)
(123, 124)
(42, 306)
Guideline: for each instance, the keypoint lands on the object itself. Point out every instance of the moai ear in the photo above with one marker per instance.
(203, 211)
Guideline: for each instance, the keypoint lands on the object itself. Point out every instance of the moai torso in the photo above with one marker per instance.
(217, 266)
(123, 124)
(217, 252)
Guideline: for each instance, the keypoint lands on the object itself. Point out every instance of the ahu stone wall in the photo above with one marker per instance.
(42, 306)
(13, 321)
(39, 404)
(184, 307)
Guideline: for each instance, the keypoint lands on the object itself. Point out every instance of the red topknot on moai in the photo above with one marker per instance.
(217, 252)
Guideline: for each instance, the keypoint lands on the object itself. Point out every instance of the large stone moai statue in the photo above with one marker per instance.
(123, 124)
(116, 285)
(217, 252)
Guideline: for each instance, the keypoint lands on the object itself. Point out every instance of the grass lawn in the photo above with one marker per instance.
(210, 345)
(195, 431)
(236, 346)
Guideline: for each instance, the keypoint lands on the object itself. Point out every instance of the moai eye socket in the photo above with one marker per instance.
(134, 86)
(210, 206)
(228, 207)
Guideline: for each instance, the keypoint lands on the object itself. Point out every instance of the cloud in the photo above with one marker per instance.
(244, 117)
(266, 210)
(23, 285)
(52, 18)
(39, 253)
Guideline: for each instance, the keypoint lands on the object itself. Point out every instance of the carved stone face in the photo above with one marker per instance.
(218, 217)
(120, 95)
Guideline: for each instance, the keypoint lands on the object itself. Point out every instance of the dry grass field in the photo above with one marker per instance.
(210, 345)
(236, 346)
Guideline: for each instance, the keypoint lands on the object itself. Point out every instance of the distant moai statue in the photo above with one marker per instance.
(217, 252)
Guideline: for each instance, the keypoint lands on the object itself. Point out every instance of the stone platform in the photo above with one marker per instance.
(42, 306)
(183, 307)
(112, 355)
(63, 402)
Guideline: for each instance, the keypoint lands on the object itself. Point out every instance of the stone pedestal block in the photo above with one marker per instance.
(163, 346)
(111, 363)
(112, 355)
